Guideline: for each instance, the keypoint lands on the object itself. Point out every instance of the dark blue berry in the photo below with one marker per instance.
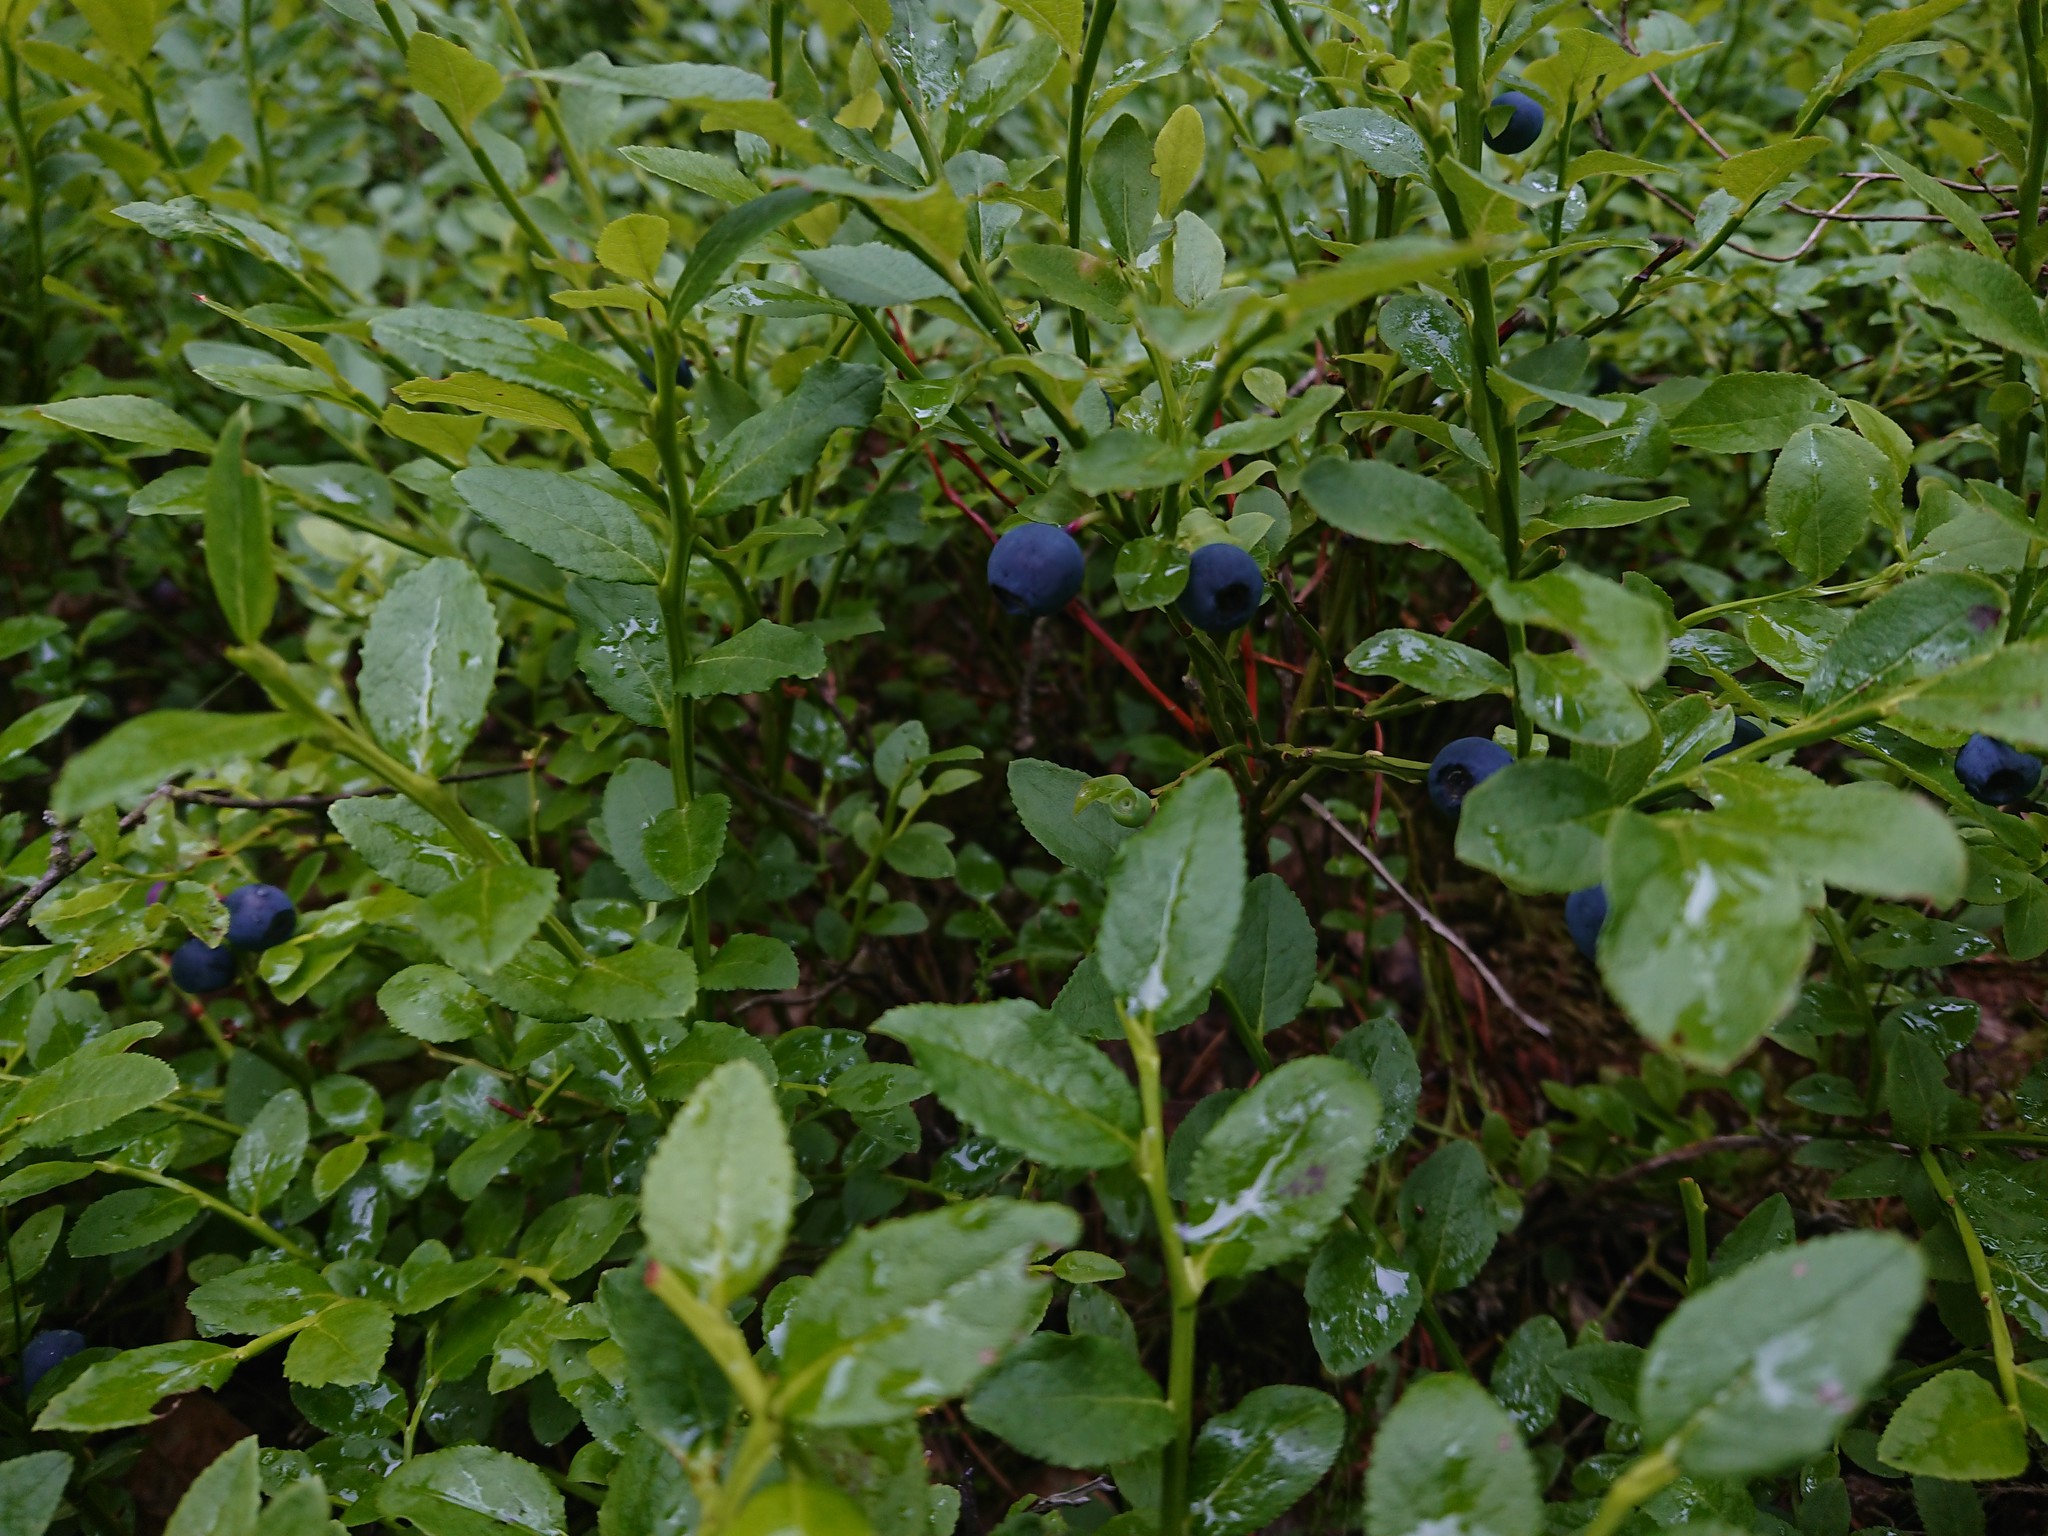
(1035, 569)
(1524, 125)
(259, 916)
(1461, 768)
(1746, 731)
(46, 1351)
(199, 968)
(1223, 590)
(1996, 773)
(684, 377)
(1585, 914)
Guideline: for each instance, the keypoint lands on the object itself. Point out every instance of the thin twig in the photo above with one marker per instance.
(64, 864)
(1430, 920)
(1691, 1152)
(226, 802)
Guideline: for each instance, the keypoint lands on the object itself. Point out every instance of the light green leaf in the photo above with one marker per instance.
(344, 1345)
(1617, 630)
(1924, 627)
(1372, 499)
(1571, 697)
(83, 1094)
(1126, 192)
(1428, 663)
(1123, 460)
(1059, 20)
(506, 349)
(430, 656)
(2005, 694)
(1387, 145)
(578, 526)
(763, 454)
(1043, 794)
(125, 1390)
(32, 1487)
(1539, 825)
(1177, 156)
(634, 798)
(150, 424)
(875, 276)
(1447, 1213)
(479, 922)
(1748, 176)
(1826, 487)
(1018, 1076)
(471, 1490)
(1073, 1401)
(223, 1499)
(683, 844)
(452, 77)
(267, 1157)
(753, 962)
(1448, 1458)
(633, 246)
(1753, 412)
(1757, 1372)
(1272, 963)
(1989, 300)
(718, 1192)
(1176, 891)
(33, 727)
(238, 551)
(760, 655)
(645, 983)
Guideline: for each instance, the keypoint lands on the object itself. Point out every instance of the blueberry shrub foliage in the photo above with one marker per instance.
(841, 767)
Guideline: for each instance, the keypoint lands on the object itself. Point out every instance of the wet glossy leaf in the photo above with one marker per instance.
(1072, 1401)
(1252, 1464)
(430, 657)
(1176, 892)
(716, 1201)
(1448, 1458)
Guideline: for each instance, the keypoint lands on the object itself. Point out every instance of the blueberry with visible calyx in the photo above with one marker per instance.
(1035, 569)
(1996, 773)
(1223, 590)
(1461, 768)
(199, 967)
(1523, 127)
(46, 1351)
(259, 916)
(1585, 914)
(1746, 731)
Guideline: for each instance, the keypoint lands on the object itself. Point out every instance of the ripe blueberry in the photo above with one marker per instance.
(1223, 590)
(1746, 731)
(1996, 773)
(1461, 768)
(1585, 914)
(199, 968)
(1035, 569)
(46, 1351)
(1524, 125)
(259, 916)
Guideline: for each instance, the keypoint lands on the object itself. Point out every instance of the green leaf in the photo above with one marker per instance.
(2004, 694)
(1059, 20)
(1615, 629)
(634, 798)
(1177, 155)
(1522, 1379)
(1372, 499)
(718, 1192)
(730, 237)
(633, 246)
(1386, 1056)
(1280, 1165)
(800, 1506)
(1072, 1401)
(452, 77)
(713, 175)
(753, 962)
(433, 1003)
(678, 1395)
(1753, 412)
(1044, 796)
(507, 349)
(1928, 625)
(1448, 1458)
(258, 1298)
(1824, 490)
(480, 922)
(1989, 300)
(1176, 891)
(1251, 1465)
(267, 1157)
(1426, 333)
(763, 454)
(1016, 1074)
(150, 424)
(875, 276)
(911, 1312)
(622, 646)
(125, 1390)
(1123, 460)
(1572, 697)
(1387, 145)
(223, 1499)
(1089, 283)
(83, 1094)
(139, 754)
(683, 845)
(1539, 825)
(1756, 1373)
(1706, 937)
(1824, 831)
(471, 1490)
(1448, 1214)
(344, 1345)
(34, 727)
(404, 843)
(578, 526)
(758, 656)
(1359, 1306)
(643, 984)
(129, 1219)
(1126, 192)
(430, 656)
(238, 552)
(1428, 663)
(1749, 175)
(32, 1487)
(1272, 963)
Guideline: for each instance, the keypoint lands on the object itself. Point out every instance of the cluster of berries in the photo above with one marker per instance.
(1036, 569)
(1990, 770)
(259, 916)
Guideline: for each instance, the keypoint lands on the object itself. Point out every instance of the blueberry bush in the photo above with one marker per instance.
(925, 766)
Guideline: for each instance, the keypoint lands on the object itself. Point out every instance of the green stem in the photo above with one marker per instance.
(267, 176)
(254, 1226)
(1638, 1482)
(1184, 1279)
(1077, 126)
(579, 172)
(1695, 1205)
(32, 188)
(1980, 1276)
